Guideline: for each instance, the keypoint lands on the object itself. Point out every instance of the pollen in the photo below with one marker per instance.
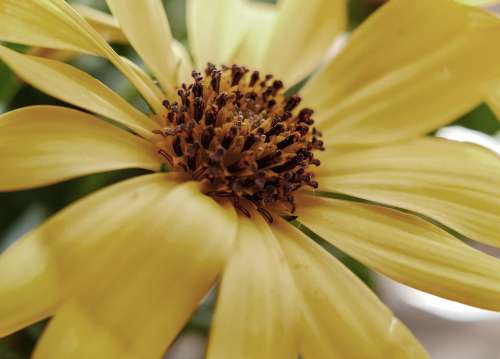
(237, 132)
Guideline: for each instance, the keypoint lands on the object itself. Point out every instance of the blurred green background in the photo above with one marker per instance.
(21, 211)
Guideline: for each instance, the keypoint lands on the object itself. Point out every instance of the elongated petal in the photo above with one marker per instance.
(183, 64)
(301, 36)
(165, 262)
(73, 324)
(105, 24)
(42, 23)
(69, 84)
(215, 29)
(342, 317)
(256, 309)
(102, 22)
(55, 24)
(146, 26)
(406, 72)
(407, 249)
(259, 20)
(146, 79)
(41, 145)
(457, 184)
(35, 269)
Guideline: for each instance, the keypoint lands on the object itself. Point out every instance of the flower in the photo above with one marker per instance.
(122, 270)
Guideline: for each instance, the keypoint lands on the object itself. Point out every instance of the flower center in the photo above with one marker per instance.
(240, 135)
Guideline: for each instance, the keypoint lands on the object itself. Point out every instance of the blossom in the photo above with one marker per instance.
(122, 270)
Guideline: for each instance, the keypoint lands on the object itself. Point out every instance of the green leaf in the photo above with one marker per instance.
(480, 119)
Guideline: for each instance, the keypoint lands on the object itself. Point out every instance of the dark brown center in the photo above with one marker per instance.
(240, 135)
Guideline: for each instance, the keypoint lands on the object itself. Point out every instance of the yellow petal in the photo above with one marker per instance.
(55, 24)
(166, 260)
(102, 22)
(407, 249)
(493, 101)
(259, 20)
(256, 309)
(42, 23)
(37, 271)
(457, 184)
(146, 26)
(342, 317)
(477, 2)
(74, 324)
(301, 37)
(105, 24)
(54, 54)
(69, 84)
(146, 79)
(406, 72)
(215, 29)
(29, 288)
(183, 62)
(41, 145)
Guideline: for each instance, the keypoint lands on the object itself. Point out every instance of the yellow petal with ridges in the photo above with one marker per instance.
(72, 324)
(74, 86)
(102, 22)
(146, 26)
(147, 80)
(41, 145)
(42, 23)
(183, 64)
(167, 258)
(301, 37)
(256, 308)
(457, 184)
(258, 20)
(342, 317)
(406, 72)
(105, 24)
(38, 271)
(407, 249)
(55, 24)
(215, 29)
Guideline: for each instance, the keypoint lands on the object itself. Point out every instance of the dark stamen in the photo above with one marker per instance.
(242, 138)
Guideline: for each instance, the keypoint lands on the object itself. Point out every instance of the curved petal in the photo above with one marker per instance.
(258, 288)
(33, 269)
(407, 249)
(301, 37)
(69, 84)
(102, 22)
(341, 314)
(73, 324)
(105, 24)
(55, 24)
(183, 65)
(406, 72)
(165, 259)
(42, 23)
(146, 79)
(457, 184)
(215, 29)
(146, 26)
(259, 20)
(41, 145)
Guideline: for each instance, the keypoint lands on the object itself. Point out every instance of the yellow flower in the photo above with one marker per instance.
(122, 270)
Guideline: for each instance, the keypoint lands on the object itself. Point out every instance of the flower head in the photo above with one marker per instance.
(122, 270)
